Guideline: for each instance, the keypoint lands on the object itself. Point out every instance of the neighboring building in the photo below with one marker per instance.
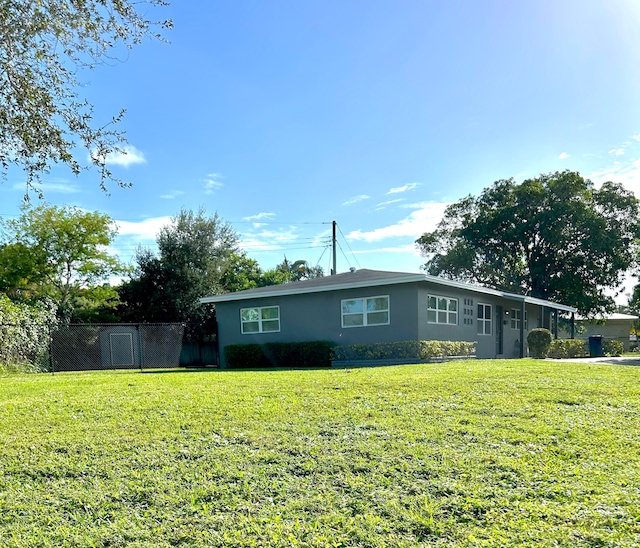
(368, 306)
(612, 327)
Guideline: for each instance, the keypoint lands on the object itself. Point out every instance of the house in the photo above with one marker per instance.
(619, 327)
(367, 306)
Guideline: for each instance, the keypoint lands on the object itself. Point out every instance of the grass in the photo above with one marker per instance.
(477, 453)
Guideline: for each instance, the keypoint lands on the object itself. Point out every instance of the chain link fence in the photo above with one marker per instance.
(80, 347)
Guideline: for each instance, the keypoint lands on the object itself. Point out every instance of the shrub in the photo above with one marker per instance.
(612, 348)
(24, 336)
(539, 341)
(295, 354)
(568, 348)
(409, 350)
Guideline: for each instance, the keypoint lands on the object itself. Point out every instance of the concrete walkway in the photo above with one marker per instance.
(623, 360)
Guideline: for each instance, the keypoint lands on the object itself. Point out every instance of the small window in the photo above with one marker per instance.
(365, 311)
(516, 317)
(265, 319)
(442, 310)
(484, 319)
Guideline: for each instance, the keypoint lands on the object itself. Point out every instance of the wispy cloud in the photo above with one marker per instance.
(268, 240)
(260, 217)
(130, 155)
(382, 205)
(424, 218)
(563, 156)
(617, 151)
(52, 186)
(403, 188)
(211, 183)
(636, 137)
(172, 195)
(356, 199)
(405, 248)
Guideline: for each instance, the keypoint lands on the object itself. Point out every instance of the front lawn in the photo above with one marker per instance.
(476, 453)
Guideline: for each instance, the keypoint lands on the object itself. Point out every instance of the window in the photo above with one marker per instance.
(442, 310)
(365, 311)
(260, 320)
(484, 319)
(516, 317)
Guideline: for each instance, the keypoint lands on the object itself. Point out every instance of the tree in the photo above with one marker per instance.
(44, 47)
(554, 237)
(194, 254)
(299, 270)
(60, 253)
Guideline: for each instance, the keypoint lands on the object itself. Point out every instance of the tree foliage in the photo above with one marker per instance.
(44, 47)
(59, 253)
(195, 252)
(554, 237)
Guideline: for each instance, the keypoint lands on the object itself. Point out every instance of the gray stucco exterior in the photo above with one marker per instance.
(312, 310)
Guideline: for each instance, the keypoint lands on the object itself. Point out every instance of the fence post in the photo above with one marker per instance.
(140, 353)
(51, 362)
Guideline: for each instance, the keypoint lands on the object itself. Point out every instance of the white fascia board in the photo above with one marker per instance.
(285, 290)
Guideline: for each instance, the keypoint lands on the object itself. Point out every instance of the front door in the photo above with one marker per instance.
(499, 331)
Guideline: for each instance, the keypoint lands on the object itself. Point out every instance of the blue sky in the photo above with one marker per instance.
(285, 115)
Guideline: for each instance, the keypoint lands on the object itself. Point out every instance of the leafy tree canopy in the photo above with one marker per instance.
(59, 253)
(195, 252)
(554, 237)
(44, 46)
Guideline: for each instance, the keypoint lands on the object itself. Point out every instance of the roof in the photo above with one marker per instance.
(609, 317)
(368, 278)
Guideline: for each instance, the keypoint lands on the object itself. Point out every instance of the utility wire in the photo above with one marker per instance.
(351, 250)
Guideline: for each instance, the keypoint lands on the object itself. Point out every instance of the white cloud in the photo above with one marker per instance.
(406, 248)
(171, 195)
(636, 137)
(403, 188)
(617, 151)
(382, 205)
(130, 155)
(260, 217)
(52, 186)
(211, 183)
(147, 229)
(268, 240)
(424, 218)
(627, 173)
(563, 156)
(356, 199)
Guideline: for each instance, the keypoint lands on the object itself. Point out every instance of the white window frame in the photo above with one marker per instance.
(515, 319)
(260, 320)
(365, 313)
(447, 311)
(484, 322)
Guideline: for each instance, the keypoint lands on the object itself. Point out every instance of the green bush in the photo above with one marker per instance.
(612, 348)
(410, 350)
(539, 341)
(568, 348)
(296, 354)
(24, 336)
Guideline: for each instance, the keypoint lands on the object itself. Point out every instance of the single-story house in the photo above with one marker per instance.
(368, 306)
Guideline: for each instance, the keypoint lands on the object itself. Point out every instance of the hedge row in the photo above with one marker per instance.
(297, 354)
(568, 348)
(411, 350)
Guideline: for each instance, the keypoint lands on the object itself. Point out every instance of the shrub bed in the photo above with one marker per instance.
(539, 341)
(612, 348)
(294, 354)
(409, 350)
(568, 348)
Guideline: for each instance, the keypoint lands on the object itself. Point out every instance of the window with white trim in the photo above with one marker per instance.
(265, 319)
(484, 319)
(442, 310)
(365, 311)
(516, 315)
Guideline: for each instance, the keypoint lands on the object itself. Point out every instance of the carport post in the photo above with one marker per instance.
(522, 313)
(555, 323)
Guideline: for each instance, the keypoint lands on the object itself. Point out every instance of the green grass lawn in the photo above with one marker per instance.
(477, 453)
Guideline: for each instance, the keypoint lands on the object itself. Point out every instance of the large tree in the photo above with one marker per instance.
(194, 253)
(59, 253)
(556, 237)
(44, 47)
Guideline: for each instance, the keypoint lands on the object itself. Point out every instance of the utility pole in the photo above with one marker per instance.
(334, 270)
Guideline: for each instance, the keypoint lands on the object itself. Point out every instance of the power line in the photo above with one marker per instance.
(351, 250)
